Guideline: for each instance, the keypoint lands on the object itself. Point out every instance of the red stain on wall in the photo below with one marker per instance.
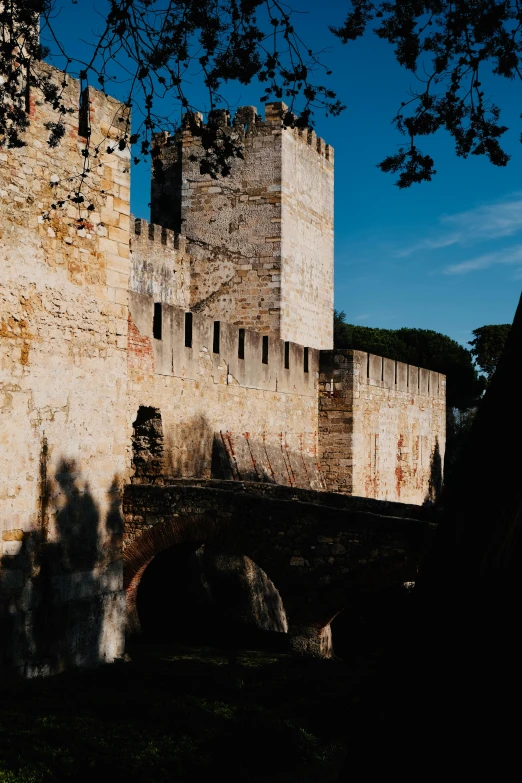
(140, 353)
(399, 472)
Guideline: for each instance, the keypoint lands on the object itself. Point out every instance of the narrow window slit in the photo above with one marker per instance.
(305, 360)
(157, 321)
(84, 125)
(241, 344)
(287, 355)
(27, 91)
(188, 330)
(215, 345)
(265, 349)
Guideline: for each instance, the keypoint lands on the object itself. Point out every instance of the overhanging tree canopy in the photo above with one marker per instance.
(149, 46)
(449, 47)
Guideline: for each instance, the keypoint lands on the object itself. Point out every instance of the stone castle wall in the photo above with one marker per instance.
(160, 266)
(382, 427)
(63, 384)
(307, 239)
(129, 353)
(261, 239)
(218, 414)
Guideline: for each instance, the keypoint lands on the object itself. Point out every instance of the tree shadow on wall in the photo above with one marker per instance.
(226, 466)
(189, 449)
(58, 577)
(435, 480)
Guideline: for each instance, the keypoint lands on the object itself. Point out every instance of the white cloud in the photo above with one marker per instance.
(488, 221)
(510, 255)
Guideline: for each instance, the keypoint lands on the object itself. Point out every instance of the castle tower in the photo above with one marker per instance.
(261, 238)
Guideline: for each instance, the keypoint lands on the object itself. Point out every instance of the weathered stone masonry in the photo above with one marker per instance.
(131, 353)
(224, 415)
(63, 387)
(261, 239)
(381, 427)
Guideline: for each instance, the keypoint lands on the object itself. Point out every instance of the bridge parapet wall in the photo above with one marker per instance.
(315, 547)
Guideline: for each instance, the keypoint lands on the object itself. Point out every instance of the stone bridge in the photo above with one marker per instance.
(317, 548)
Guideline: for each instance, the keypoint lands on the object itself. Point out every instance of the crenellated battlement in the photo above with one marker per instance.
(188, 345)
(195, 345)
(246, 122)
(398, 376)
(257, 233)
(369, 370)
(145, 233)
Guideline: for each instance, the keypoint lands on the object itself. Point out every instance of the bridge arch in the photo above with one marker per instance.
(317, 550)
(225, 534)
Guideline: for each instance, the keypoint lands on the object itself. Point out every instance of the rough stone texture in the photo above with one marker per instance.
(63, 371)
(222, 415)
(382, 427)
(311, 641)
(261, 239)
(255, 600)
(160, 266)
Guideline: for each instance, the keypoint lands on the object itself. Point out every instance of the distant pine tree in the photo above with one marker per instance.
(419, 347)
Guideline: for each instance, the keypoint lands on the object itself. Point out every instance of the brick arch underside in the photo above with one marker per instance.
(183, 529)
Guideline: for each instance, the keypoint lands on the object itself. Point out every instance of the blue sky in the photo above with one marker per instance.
(445, 255)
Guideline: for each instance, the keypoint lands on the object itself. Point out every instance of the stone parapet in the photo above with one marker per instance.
(226, 353)
(339, 369)
(145, 234)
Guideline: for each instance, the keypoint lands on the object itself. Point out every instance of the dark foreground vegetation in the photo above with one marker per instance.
(176, 714)
(413, 696)
(199, 712)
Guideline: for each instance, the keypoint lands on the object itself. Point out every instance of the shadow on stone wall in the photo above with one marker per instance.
(243, 590)
(189, 449)
(434, 492)
(225, 466)
(62, 583)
